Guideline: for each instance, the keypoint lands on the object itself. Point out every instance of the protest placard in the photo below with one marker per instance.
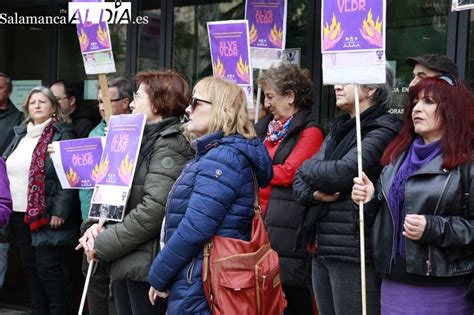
(96, 47)
(353, 41)
(230, 53)
(267, 22)
(115, 173)
(75, 162)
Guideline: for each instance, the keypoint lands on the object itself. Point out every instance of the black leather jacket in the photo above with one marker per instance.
(446, 247)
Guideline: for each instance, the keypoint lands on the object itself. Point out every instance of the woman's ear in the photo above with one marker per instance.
(371, 92)
(291, 97)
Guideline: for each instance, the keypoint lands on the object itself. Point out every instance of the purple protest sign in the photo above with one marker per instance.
(121, 149)
(267, 21)
(229, 45)
(76, 160)
(93, 37)
(352, 25)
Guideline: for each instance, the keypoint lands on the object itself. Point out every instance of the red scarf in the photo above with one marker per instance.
(36, 216)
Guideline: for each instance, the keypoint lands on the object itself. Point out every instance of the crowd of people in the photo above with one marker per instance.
(198, 162)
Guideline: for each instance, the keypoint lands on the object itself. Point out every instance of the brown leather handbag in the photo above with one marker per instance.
(241, 277)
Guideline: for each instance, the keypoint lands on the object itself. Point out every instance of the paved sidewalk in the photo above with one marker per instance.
(6, 309)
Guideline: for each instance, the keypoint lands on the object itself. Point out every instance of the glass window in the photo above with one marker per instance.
(470, 58)
(149, 36)
(420, 30)
(297, 28)
(191, 44)
(24, 48)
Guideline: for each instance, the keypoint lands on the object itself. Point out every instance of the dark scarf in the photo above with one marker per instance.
(35, 215)
(343, 136)
(418, 155)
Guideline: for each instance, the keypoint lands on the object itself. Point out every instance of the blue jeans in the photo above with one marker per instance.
(3, 261)
(337, 288)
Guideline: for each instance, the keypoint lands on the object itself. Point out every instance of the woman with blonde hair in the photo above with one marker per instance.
(45, 217)
(213, 195)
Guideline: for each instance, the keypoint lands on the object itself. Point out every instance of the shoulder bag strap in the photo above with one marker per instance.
(256, 202)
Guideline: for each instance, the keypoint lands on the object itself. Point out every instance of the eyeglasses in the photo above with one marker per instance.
(194, 102)
(61, 98)
(449, 78)
(111, 101)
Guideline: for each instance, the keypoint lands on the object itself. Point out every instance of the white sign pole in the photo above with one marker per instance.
(259, 95)
(86, 286)
(361, 203)
(103, 215)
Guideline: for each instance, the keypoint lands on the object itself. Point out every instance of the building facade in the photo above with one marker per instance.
(176, 37)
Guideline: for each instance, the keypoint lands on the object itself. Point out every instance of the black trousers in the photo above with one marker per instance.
(47, 271)
(300, 301)
(100, 299)
(131, 298)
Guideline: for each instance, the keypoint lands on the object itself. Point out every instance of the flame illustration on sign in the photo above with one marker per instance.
(83, 40)
(372, 31)
(219, 70)
(125, 170)
(242, 70)
(332, 34)
(72, 177)
(253, 36)
(99, 171)
(275, 36)
(102, 37)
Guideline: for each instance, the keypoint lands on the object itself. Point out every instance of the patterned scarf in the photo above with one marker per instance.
(35, 215)
(277, 129)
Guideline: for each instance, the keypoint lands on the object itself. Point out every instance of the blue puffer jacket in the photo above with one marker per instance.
(213, 196)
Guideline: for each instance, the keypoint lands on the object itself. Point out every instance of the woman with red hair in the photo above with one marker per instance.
(423, 220)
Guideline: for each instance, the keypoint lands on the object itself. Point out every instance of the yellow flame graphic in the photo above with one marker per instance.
(83, 40)
(334, 29)
(275, 36)
(72, 177)
(369, 24)
(219, 69)
(242, 70)
(100, 170)
(125, 170)
(253, 34)
(102, 37)
(372, 31)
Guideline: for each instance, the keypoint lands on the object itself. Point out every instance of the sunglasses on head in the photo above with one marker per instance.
(449, 78)
(194, 102)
